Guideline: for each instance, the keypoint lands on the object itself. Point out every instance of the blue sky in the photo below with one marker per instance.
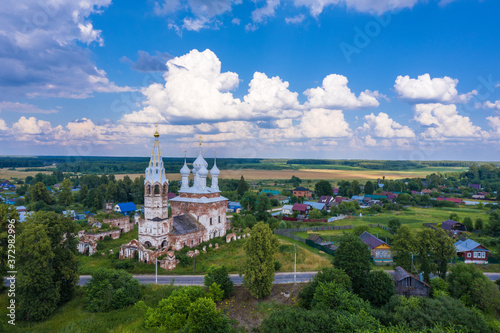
(375, 79)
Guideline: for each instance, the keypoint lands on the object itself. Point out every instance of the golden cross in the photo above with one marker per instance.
(200, 140)
(184, 154)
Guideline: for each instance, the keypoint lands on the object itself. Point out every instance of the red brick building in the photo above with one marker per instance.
(302, 192)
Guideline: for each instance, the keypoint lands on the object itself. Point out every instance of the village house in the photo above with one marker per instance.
(302, 209)
(327, 200)
(408, 284)
(472, 252)
(287, 209)
(316, 205)
(453, 228)
(233, 207)
(381, 251)
(125, 208)
(302, 192)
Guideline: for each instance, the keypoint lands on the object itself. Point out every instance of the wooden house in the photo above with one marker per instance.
(408, 284)
(381, 251)
(472, 252)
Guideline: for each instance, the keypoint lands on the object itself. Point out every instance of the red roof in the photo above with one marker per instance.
(300, 207)
(455, 200)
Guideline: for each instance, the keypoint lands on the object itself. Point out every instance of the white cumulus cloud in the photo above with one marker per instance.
(489, 105)
(334, 93)
(444, 122)
(494, 123)
(271, 96)
(324, 123)
(426, 89)
(385, 127)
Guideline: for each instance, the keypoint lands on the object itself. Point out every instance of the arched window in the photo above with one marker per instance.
(165, 189)
(149, 189)
(157, 189)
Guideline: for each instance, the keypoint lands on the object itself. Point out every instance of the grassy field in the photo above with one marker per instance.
(72, 317)
(317, 173)
(230, 254)
(19, 173)
(414, 218)
(245, 311)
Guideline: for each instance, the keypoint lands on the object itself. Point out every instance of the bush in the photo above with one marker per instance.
(184, 260)
(420, 313)
(220, 276)
(292, 319)
(123, 264)
(277, 265)
(329, 295)
(204, 317)
(110, 289)
(327, 274)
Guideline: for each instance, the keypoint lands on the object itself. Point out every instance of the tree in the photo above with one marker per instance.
(249, 220)
(358, 230)
(468, 223)
(220, 276)
(110, 289)
(479, 224)
(344, 188)
(493, 227)
(204, 317)
(454, 217)
(262, 205)
(403, 246)
(461, 281)
(65, 197)
(353, 256)
(37, 293)
(242, 186)
(329, 295)
(39, 193)
(248, 201)
(7, 213)
(323, 187)
(498, 195)
(258, 269)
(295, 181)
(315, 214)
(282, 225)
(327, 274)
(84, 192)
(64, 264)
(369, 188)
(444, 251)
(394, 225)
(378, 288)
(355, 188)
(424, 246)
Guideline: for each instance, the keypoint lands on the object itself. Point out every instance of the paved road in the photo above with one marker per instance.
(197, 280)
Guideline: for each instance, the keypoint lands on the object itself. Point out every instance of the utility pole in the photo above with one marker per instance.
(156, 270)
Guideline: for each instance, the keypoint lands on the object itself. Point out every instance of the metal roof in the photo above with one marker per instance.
(127, 207)
(371, 240)
(468, 245)
(184, 224)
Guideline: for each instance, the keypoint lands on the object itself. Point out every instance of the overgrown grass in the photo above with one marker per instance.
(72, 317)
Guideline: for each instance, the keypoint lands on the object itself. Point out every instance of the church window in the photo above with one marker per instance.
(211, 221)
(156, 171)
(219, 219)
(149, 189)
(157, 189)
(192, 242)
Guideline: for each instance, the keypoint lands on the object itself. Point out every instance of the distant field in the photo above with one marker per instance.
(20, 173)
(353, 173)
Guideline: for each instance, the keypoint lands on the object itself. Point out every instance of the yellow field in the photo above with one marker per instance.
(252, 174)
(5, 173)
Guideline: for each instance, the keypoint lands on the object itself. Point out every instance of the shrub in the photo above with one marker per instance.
(220, 276)
(327, 274)
(277, 265)
(110, 289)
